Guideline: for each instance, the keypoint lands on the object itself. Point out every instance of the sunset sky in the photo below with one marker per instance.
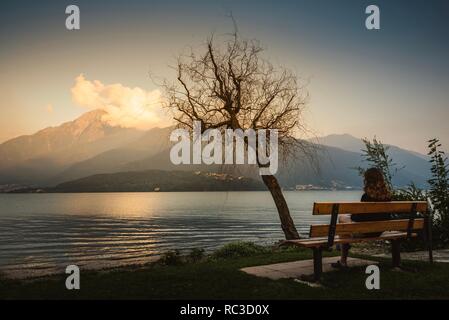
(393, 83)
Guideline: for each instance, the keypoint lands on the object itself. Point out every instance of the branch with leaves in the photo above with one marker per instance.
(439, 189)
(376, 154)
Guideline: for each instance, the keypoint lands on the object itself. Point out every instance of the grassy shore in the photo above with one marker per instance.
(218, 277)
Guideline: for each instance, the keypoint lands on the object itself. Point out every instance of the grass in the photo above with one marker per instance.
(218, 277)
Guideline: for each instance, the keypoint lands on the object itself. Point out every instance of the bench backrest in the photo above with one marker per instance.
(336, 208)
(320, 208)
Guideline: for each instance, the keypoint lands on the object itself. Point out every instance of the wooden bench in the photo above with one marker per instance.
(324, 236)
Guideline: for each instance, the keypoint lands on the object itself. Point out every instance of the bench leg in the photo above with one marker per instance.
(396, 253)
(428, 235)
(317, 263)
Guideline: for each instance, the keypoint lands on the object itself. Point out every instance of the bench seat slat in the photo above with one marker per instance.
(322, 241)
(322, 230)
(321, 208)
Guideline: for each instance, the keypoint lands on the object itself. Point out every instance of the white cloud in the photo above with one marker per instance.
(125, 107)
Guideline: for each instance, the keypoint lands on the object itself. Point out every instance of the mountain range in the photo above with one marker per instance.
(90, 146)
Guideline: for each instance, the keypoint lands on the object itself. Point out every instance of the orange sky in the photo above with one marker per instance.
(361, 83)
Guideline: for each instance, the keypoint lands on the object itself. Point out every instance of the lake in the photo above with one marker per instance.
(43, 233)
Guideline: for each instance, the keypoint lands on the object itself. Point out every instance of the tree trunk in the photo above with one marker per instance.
(287, 223)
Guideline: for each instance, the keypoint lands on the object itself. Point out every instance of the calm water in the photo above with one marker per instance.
(43, 233)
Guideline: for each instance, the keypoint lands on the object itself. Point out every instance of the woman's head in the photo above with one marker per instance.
(375, 186)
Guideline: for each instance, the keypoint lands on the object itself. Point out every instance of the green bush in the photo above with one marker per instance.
(172, 257)
(410, 193)
(239, 249)
(439, 191)
(196, 255)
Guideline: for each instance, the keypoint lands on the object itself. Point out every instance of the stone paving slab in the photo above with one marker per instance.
(296, 269)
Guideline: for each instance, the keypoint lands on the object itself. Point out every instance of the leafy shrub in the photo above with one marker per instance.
(239, 249)
(172, 257)
(196, 254)
(410, 193)
(439, 191)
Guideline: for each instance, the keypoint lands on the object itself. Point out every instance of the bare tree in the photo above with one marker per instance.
(230, 85)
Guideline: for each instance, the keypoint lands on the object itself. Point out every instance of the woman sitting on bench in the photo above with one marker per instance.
(376, 190)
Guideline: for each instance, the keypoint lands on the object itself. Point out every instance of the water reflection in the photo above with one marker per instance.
(43, 233)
